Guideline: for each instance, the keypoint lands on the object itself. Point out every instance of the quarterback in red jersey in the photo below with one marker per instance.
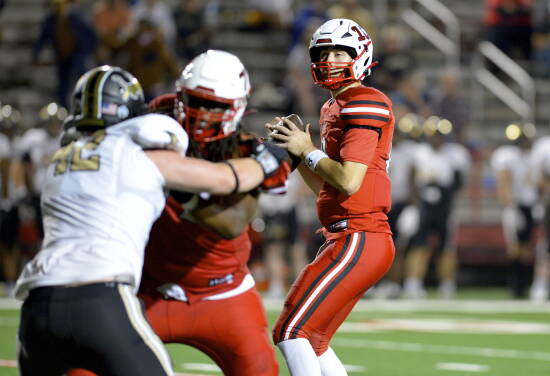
(349, 176)
(196, 285)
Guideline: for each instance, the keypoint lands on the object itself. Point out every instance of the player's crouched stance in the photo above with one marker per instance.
(349, 176)
(103, 191)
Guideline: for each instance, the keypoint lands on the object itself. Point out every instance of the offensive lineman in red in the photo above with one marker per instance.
(349, 176)
(196, 285)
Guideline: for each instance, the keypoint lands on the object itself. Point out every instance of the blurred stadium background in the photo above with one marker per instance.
(437, 58)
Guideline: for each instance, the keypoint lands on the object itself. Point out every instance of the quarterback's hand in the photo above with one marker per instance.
(270, 157)
(290, 137)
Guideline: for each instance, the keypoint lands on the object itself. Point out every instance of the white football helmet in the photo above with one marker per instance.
(349, 36)
(212, 92)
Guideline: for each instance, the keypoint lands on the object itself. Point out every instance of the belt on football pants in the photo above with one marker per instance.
(341, 225)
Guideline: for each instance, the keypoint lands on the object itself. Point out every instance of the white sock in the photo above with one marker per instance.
(300, 358)
(331, 364)
(412, 283)
(540, 283)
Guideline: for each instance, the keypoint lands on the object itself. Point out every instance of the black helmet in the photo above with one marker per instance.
(104, 96)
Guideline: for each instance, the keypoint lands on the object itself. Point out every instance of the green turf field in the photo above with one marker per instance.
(479, 334)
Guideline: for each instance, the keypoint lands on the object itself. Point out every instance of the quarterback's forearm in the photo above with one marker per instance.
(312, 180)
(345, 177)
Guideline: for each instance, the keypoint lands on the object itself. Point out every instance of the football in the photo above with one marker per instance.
(293, 160)
(293, 118)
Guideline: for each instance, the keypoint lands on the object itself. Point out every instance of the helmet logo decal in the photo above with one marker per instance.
(361, 36)
(123, 112)
(128, 89)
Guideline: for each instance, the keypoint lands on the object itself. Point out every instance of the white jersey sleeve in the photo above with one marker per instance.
(155, 131)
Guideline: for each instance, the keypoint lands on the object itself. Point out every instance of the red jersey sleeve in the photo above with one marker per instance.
(366, 113)
(359, 145)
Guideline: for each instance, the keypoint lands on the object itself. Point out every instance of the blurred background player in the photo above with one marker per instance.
(196, 285)
(38, 145)
(356, 135)
(441, 170)
(518, 192)
(284, 249)
(539, 291)
(12, 193)
(403, 217)
(103, 191)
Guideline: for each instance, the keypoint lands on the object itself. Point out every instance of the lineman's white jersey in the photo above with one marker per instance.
(522, 170)
(101, 197)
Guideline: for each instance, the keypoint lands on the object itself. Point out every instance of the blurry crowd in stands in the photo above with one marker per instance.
(433, 156)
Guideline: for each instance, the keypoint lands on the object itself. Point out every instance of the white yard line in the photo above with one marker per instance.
(446, 325)
(462, 367)
(435, 305)
(484, 352)
(425, 305)
(9, 303)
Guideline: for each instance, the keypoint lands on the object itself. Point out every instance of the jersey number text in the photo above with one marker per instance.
(70, 156)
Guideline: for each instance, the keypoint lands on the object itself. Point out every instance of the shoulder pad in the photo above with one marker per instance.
(366, 107)
(155, 131)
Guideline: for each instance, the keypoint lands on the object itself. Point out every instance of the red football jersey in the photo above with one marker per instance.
(197, 259)
(357, 126)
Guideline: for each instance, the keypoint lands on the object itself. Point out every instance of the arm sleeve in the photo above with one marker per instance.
(372, 113)
(359, 145)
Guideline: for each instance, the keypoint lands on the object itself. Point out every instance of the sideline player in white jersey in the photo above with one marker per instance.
(404, 215)
(539, 290)
(518, 192)
(441, 169)
(102, 193)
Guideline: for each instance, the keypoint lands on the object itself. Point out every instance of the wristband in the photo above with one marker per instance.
(313, 157)
(237, 184)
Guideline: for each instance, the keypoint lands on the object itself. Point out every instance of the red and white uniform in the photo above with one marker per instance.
(356, 126)
(198, 291)
(197, 260)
